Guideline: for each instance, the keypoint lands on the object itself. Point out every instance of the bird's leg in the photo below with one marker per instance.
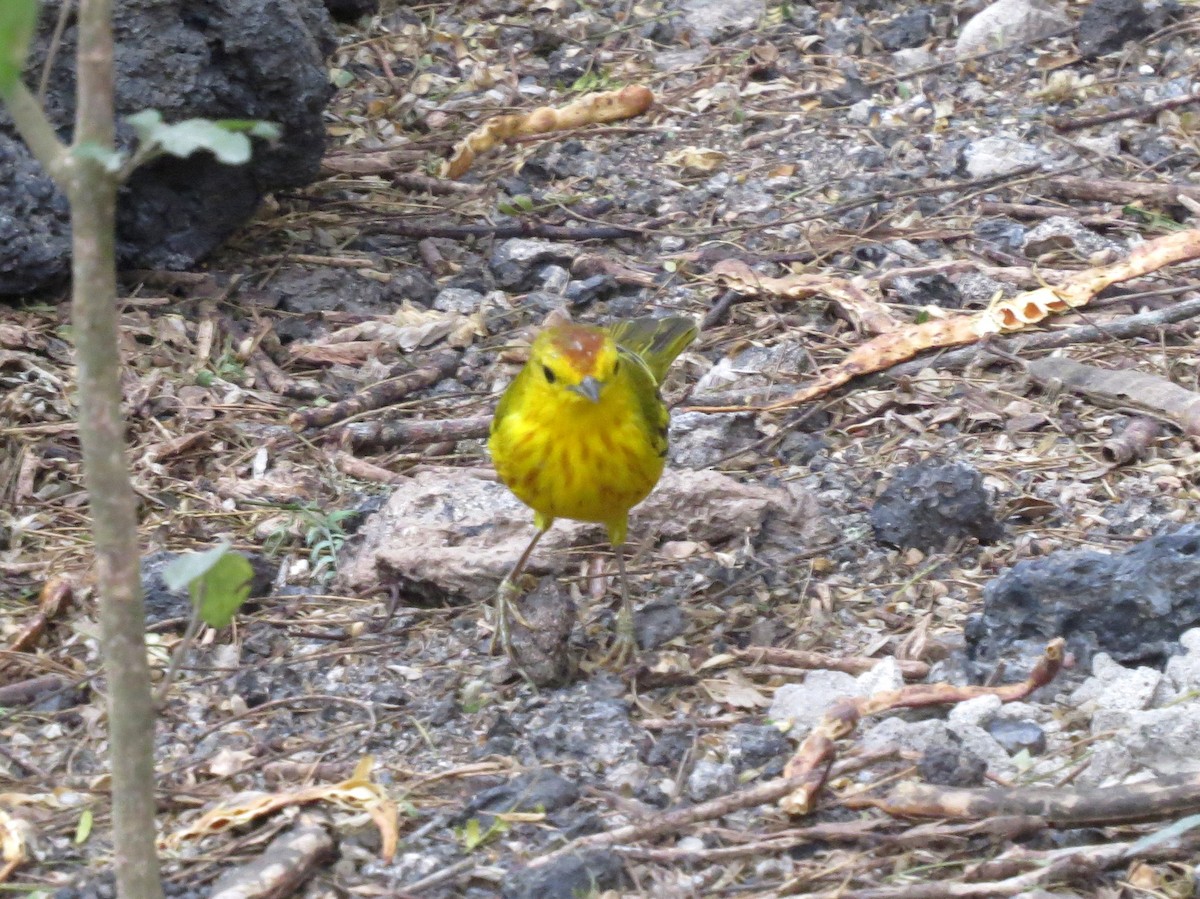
(506, 598)
(624, 645)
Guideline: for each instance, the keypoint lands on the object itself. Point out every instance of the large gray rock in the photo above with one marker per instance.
(186, 58)
(1133, 606)
(1008, 22)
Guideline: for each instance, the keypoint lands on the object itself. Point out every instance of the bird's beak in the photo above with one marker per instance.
(589, 388)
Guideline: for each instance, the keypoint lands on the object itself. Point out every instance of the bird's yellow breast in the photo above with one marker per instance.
(578, 459)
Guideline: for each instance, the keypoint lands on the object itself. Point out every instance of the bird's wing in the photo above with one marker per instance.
(655, 341)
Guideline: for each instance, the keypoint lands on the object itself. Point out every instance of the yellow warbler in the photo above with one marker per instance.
(582, 433)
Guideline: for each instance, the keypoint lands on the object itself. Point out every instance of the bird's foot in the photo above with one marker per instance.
(505, 612)
(624, 648)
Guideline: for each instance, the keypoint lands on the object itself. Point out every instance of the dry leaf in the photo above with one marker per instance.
(12, 844)
(696, 159)
(735, 692)
(357, 793)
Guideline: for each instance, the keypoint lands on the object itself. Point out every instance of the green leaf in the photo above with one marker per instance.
(217, 579)
(253, 127)
(185, 569)
(84, 828)
(471, 835)
(226, 139)
(18, 19)
(223, 589)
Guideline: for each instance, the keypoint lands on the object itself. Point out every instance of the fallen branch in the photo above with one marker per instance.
(522, 228)
(812, 759)
(1143, 112)
(384, 435)
(289, 860)
(1123, 388)
(1121, 329)
(607, 106)
(56, 597)
(377, 396)
(1133, 443)
(865, 314)
(805, 774)
(1003, 316)
(803, 659)
(1111, 190)
(26, 691)
(1154, 800)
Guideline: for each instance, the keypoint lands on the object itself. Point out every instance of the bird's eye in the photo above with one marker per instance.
(549, 373)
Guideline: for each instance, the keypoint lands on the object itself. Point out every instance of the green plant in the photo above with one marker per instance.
(592, 80)
(89, 172)
(219, 583)
(324, 536)
(472, 835)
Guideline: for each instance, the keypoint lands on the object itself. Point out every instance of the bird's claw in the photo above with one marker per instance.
(506, 612)
(624, 645)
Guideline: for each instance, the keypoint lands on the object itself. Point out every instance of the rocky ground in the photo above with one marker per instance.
(935, 522)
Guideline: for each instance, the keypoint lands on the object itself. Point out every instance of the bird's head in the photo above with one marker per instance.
(578, 360)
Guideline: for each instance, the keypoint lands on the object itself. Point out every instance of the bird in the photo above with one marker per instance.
(581, 433)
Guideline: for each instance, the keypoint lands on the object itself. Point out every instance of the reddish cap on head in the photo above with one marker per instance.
(580, 345)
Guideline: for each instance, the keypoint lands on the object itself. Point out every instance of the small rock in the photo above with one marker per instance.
(566, 878)
(1066, 234)
(862, 112)
(709, 779)
(554, 278)
(757, 745)
(676, 59)
(597, 287)
(1015, 736)
(908, 736)
(912, 58)
(698, 440)
(541, 790)
(449, 535)
(930, 290)
(804, 704)
(514, 261)
(1159, 740)
(932, 502)
(1109, 763)
(717, 20)
(977, 712)
(1183, 671)
(1106, 25)
(909, 29)
(164, 604)
(659, 622)
(1008, 22)
(951, 766)
(998, 155)
(885, 675)
(411, 284)
(1116, 688)
(982, 744)
(541, 648)
(668, 750)
(544, 301)
(454, 299)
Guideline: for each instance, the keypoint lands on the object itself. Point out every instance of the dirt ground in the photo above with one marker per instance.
(844, 142)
